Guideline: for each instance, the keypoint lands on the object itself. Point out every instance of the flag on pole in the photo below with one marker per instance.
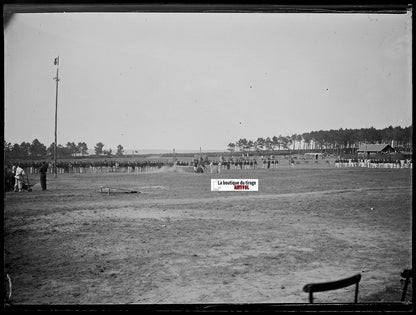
(56, 62)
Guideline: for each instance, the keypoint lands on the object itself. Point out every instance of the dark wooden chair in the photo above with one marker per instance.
(333, 285)
(406, 274)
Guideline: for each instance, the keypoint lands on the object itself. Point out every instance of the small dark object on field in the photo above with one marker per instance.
(108, 190)
(26, 187)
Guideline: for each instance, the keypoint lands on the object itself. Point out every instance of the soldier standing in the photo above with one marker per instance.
(43, 170)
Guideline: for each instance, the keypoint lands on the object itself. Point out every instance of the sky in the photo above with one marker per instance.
(187, 81)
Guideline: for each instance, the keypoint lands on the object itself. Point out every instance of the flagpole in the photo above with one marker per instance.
(56, 119)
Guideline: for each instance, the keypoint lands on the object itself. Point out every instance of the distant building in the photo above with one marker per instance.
(375, 149)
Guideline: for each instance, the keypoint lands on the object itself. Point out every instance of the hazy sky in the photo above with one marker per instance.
(191, 80)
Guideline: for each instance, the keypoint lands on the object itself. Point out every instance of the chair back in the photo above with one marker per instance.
(407, 274)
(333, 285)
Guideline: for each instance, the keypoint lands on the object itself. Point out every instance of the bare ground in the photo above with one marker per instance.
(178, 242)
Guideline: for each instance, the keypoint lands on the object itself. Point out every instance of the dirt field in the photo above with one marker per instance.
(178, 242)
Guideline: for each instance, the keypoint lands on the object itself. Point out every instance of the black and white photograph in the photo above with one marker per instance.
(208, 157)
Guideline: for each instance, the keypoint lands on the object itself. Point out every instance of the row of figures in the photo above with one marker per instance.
(100, 167)
(236, 164)
(216, 166)
(111, 166)
(373, 163)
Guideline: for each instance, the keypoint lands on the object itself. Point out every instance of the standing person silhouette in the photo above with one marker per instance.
(43, 170)
(18, 186)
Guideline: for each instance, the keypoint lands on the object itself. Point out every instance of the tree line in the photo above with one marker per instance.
(322, 140)
(328, 139)
(37, 150)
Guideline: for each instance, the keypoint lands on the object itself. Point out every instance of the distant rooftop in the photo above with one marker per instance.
(374, 147)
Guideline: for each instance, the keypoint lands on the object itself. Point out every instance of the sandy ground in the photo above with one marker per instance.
(178, 242)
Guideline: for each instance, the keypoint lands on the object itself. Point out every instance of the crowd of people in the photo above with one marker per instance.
(108, 166)
(95, 166)
(14, 174)
(243, 163)
(374, 163)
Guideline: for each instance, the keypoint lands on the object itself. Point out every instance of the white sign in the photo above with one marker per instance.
(234, 185)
